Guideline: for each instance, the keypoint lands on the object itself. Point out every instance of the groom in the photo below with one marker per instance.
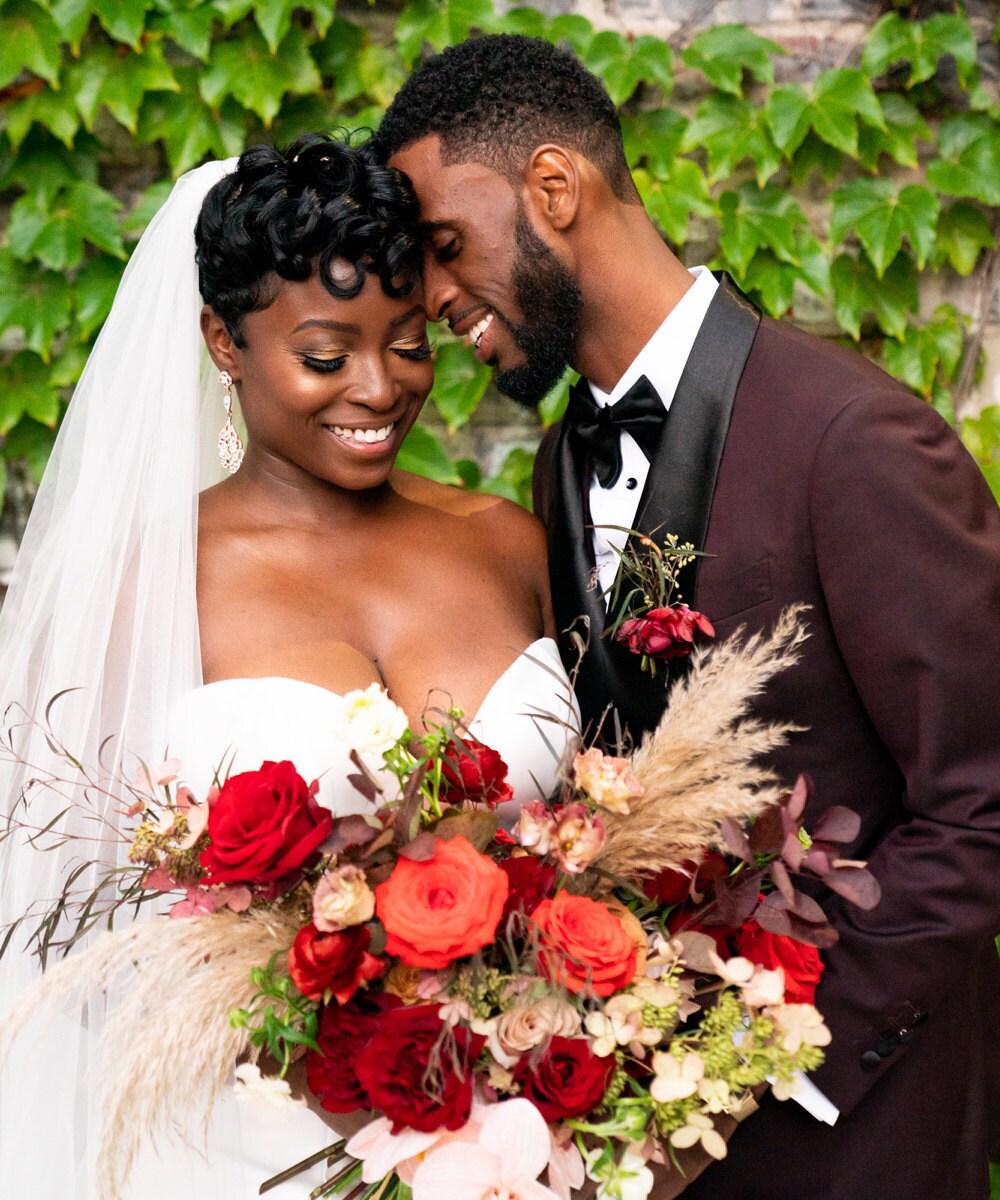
(809, 476)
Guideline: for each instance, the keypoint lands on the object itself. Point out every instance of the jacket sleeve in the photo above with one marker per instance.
(907, 543)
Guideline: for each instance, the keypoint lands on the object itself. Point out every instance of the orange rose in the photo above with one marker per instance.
(583, 945)
(443, 908)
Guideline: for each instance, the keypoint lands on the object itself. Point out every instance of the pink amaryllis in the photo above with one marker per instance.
(664, 633)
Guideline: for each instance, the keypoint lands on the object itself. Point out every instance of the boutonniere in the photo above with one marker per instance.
(645, 607)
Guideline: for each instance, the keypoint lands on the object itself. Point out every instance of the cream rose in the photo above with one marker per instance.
(528, 1025)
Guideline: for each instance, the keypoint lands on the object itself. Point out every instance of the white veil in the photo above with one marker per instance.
(102, 601)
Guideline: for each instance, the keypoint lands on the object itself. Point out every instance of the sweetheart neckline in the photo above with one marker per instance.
(525, 653)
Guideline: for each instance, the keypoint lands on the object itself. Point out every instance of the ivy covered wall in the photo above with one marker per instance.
(859, 197)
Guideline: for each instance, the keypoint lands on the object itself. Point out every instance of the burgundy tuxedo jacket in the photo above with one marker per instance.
(811, 477)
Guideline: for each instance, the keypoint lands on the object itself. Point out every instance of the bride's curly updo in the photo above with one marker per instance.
(285, 213)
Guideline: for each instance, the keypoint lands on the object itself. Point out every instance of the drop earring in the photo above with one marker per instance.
(230, 446)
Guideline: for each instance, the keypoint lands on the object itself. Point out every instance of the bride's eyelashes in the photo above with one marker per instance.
(325, 366)
(414, 353)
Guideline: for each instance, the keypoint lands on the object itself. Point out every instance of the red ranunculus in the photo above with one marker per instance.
(343, 1033)
(664, 632)
(473, 772)
(337, 963)
(801, 963)
(418, 1071)
(263, 825)
(583, 945)
(442, 908)
(568, 1082)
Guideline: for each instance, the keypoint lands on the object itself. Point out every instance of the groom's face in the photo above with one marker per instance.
(488, 273)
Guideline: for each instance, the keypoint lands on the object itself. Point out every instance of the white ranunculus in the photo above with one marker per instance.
(371, 722)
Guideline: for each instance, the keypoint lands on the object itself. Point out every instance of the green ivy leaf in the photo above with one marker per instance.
(842, 98)
(146, 207)
(274, 19)
(787, 113)
(527, 21)
(652, 138)
(572, 30)
(881, 217)
(43, 167)
(922, 44)
(674, 196)
(723, 52)
(624, 64)
(969, 162)
(119, 82)
(191, 29)
(29, 40)
(460, 383)
(439, 23)
(32, 443)
(189, 128)
(232, 11)
(36, 302)
(904, 124)
(304, 114)
(381, 72)
(731, 130)
(815, 155)
(256, 79)
(927, 353)
(53, 111)
(981, 435)
(94, 291)
(553, 405)
(857, 290)
(963, 232)
(73, 19)
(771, 282)
(338, 56)
(513, 480)
(26, 390)
(123, 20)
(423, 454)
(755, 218)
(83, 212)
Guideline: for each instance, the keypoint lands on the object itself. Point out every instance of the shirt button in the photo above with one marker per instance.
(631, 483)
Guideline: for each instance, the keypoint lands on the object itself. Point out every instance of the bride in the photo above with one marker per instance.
(222, 621)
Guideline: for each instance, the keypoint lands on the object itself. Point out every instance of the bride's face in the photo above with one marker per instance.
(332, 386)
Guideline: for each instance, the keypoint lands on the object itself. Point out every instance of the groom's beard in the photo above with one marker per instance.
(552, 303)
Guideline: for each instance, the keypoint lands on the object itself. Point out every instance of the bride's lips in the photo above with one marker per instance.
(372, 441)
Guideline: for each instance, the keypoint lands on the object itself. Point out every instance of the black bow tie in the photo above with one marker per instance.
(639, 412)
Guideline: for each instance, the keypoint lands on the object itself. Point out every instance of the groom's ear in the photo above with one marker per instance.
(221, 348)
(552, 182)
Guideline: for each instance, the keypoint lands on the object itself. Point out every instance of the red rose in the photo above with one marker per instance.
(568, 1082)
(801, 964)
(263, 825)
(418, 1071)
(443, 908)
(583, 945)
(337, 963)
(531, 880)
(674, 887)
(664, 632)
(343, 1033)
(473, 772)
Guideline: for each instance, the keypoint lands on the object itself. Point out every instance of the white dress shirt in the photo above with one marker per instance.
(662, 360)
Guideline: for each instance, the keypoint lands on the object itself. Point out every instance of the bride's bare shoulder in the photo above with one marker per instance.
(492, 515)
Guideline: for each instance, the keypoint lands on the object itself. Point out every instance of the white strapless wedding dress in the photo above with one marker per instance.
(529, 717)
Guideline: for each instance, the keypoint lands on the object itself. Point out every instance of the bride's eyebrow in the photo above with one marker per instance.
(320, 323)
(407, 316)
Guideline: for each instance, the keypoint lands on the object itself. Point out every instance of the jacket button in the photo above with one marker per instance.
(871, 1060)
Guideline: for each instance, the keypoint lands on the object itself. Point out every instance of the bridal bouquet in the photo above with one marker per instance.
(593, 990)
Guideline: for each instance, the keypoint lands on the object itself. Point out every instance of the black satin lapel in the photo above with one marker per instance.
(681, 483)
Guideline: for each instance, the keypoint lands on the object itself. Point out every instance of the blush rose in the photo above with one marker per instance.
(442, 908)
(583, 945)
(263, 825)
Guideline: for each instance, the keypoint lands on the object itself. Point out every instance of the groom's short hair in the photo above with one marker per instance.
(494, 99)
